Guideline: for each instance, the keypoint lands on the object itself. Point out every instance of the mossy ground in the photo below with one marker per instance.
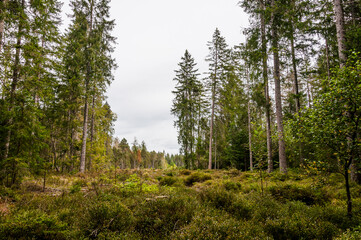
(180, 204)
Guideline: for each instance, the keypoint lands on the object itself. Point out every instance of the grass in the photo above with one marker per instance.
(180, 204)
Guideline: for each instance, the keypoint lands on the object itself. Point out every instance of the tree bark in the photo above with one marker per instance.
(212, 119)
(327, 58)
(266, 88)
(87, 81)
(2, 23)
(15, 79)
(340, 27)
(281, 142)
(250, 138)
(85, 135)
(92, 123)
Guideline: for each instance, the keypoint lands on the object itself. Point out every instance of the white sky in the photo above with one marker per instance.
(152, 36)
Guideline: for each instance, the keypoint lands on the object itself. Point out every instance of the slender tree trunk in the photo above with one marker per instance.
(211, 131)
(215, 151)
(91, 132)
(250, 137)
(281, 142)
(295, 76)
(87, 81)
(15, 79)
(296, 85)
(2, 23)
(348, 192)
(327, 58)
(340, 27)
(85, 135)
(266, 88)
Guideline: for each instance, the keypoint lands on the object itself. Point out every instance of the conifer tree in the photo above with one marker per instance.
(218, 59)
(186, 105)
(89, 44)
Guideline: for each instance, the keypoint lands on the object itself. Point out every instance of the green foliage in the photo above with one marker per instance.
(196, 177)
(75, 188)
(33, 224)
(167, 181)
(227, 201)
(308, 195)
(185, 172)
(232, 186)
(158, 218)
(108, 216)
(354, 234)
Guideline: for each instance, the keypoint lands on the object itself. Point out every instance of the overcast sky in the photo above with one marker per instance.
(152, 36)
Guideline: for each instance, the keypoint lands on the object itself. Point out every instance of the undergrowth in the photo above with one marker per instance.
(180, 204)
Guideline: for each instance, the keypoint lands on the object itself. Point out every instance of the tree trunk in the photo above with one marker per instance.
(340, 27)
(295, 77)
(87, 81)
(2, 23)
(281, 142)
(327, 58)
(15, 79)
(348, 192)
(296, 85)
(92, 122)
(85, 135)
(211, 131)
(250, 137)
(266, 88)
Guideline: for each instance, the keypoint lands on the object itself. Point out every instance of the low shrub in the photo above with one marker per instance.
(227, 201)
(75, 188)
(170, 174)
(217, 225)
(196, 177)
(167, 181)
(157, 218)
(354, 234)
(232, 186)
(33, 224)
(104, 216)
(185, 172)
(296, 193)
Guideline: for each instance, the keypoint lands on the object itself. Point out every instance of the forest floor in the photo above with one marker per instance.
(181, 204)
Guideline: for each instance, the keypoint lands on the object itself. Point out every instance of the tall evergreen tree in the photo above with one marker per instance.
(277, 78)
(90, 37)
(186, 106)
(218, 59)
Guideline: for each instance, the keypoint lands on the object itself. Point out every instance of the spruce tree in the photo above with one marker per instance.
(89, 48)
(218, 59)
(186, 106)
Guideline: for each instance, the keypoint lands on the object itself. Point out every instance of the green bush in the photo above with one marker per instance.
(104, 216)
(227, 201)
(157, 218)
(217, 225)
(167, 181)
(185, 172)
(33, 224)
(232, 186)
(196, 177)
(354, 234)
(75, 188)
(296, 193)
(170, 174)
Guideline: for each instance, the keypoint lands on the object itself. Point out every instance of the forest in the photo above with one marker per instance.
(269, 136)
